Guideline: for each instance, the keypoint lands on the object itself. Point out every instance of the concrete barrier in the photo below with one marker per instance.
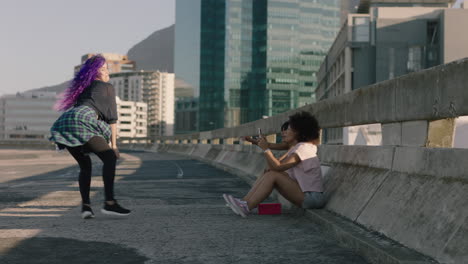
(406, 190)
(416, 196)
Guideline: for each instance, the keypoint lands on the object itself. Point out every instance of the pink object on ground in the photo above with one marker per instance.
(269, 208)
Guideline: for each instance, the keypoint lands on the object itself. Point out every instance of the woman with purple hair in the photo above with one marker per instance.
(86, 126)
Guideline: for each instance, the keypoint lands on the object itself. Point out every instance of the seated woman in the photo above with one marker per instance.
(297, 177)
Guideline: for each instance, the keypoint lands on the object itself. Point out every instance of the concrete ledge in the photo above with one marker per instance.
(380, 157)
(443, 163)
(374, 247)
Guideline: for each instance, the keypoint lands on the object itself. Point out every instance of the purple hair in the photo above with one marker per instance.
(83, 78)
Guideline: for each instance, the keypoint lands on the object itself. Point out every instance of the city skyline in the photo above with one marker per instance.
(44, 40)
(34, 32)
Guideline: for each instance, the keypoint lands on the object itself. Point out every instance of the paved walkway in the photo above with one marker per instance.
(178, 216)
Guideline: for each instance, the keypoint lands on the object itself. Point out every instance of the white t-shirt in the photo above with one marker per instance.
(307, 173)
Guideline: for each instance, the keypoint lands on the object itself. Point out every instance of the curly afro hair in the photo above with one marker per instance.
(305, 125)
(285, 126)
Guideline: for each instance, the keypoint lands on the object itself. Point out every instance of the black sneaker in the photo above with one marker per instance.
(86, 212)
(114, 209)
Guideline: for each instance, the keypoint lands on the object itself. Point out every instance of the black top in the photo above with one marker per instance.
(101, 97)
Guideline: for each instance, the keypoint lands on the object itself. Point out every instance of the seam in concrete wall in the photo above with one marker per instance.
(378, 188)
(451, 236)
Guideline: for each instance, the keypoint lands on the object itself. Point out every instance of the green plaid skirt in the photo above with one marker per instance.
(77, 126)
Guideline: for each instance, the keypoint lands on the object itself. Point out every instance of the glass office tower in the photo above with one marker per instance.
(259, 57)
(212, 48)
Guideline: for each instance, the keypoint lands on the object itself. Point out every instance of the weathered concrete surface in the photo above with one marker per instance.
(375, 247)
(425, 201)
(349, 193)
(414, 133)
(177, 218)
(422, 212)
(365, 156)
(420, 200)
(391, 134)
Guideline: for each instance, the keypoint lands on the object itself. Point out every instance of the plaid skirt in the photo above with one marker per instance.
(77, 126)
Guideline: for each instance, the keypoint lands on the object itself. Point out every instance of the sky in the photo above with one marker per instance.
(42, 40)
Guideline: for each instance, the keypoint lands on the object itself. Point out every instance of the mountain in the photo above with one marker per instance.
(156, 52)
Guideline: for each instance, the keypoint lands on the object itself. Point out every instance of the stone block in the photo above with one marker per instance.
(414, 133)
(369, 156)
(391, 134)
(441, 133)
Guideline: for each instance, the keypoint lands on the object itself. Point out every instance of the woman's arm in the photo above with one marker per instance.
(286, 164)
(112, 117)
(275, 164)
(274, 146)
(114, 139)
(278, 146)
(283, 157)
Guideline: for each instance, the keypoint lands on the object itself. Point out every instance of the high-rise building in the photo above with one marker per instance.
(115, 62)
(186, 108)
(133, 119)
(187, 43)
(259, 58)
(154, 88)
(186, 115)
(187, 65)
(27, 116)
(347, 6)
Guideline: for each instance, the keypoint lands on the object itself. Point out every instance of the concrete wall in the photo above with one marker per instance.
(416, 196)
(413, 189)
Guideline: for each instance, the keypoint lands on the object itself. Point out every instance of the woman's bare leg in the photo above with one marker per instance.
(290, 190)
(254, 187)
(280, 180)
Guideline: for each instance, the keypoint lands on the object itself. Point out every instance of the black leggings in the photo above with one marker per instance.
(100, 147)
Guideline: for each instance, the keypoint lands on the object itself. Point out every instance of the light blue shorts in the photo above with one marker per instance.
(313, 200)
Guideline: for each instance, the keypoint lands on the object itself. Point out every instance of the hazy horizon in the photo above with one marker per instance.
(44, 40)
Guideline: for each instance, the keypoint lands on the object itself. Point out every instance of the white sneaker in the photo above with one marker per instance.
(228, 204)
(241, 208)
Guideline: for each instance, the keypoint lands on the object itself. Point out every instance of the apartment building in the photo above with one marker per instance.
(154, 88)
(133, 119)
